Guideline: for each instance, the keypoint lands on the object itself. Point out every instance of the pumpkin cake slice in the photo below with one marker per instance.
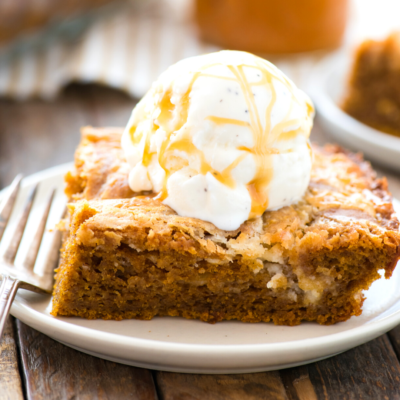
(373, 90)
(127, 255)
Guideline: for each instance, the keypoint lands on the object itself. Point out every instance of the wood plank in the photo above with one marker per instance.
(260, 386)
(10, 380)
(52, 370)
(36, 134)
(394, 336)
(297, 384)
(370, 371)
(109, 107)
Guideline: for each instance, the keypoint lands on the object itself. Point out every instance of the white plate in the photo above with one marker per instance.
(176, 344)
(327, 87)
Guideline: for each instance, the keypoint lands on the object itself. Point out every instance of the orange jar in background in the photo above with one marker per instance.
(272, 26)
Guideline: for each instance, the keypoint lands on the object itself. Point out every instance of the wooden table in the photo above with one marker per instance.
(35, 135)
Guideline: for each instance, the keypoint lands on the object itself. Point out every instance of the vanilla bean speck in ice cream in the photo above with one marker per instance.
(222, 137)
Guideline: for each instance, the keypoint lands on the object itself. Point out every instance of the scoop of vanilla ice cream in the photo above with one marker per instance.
(222, 137)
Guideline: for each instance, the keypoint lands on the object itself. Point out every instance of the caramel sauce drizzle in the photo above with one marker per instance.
(263, 137)
(225, 121)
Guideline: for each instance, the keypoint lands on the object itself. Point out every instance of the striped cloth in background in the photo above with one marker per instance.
(128, 50)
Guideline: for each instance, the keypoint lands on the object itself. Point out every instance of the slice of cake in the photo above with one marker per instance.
(134, 257)
(373, 93)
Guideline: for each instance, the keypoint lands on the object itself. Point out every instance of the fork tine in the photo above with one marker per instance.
(31, 256)
(8, 204)
(52, 258)
(11, 252)
(53, 253)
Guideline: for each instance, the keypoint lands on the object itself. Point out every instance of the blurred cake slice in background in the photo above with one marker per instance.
(373, 93)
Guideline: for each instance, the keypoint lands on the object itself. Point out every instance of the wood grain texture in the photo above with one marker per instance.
(54, 371)
(36, 134)
(370, 371)
(394, 336)
(260, 386)
(298, 384)
(10, 381)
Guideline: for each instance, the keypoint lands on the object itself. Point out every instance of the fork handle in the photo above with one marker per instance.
(8, 290)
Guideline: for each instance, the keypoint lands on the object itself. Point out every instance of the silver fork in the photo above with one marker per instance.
(23, 276)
